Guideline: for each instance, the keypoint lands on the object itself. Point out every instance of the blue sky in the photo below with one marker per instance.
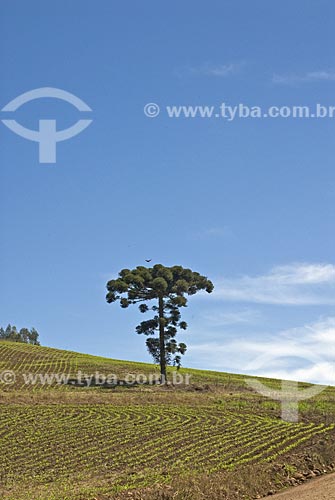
(248, 203)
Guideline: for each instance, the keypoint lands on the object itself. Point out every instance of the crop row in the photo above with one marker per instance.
(125, 442)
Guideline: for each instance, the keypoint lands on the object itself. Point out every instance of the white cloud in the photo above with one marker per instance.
(215, 231)
(295, 284)
(304, 354)
(312, 76)
(212, 232)
(244, 316)
(221, 70)
(217, 70)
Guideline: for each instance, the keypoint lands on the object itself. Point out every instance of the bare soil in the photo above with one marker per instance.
(322, 488)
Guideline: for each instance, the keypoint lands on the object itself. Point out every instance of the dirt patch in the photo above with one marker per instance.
(321, 489)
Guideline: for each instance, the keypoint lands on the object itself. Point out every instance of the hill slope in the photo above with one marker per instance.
(205, 438)
(32, 367)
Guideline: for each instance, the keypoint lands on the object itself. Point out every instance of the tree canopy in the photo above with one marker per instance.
(168, 287)
(24, 335)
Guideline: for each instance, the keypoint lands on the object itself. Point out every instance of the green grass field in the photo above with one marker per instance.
(60, 442)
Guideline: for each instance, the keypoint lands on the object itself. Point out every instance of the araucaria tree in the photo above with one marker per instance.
(168, 288)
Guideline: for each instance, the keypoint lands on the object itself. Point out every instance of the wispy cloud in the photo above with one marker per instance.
(295, 284)
(313, 76)
(240, 317)
(216, 70)
(215, 231)
(212, 232)
(305, 353)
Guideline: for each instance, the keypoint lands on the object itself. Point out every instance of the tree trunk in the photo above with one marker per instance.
(162, 340)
